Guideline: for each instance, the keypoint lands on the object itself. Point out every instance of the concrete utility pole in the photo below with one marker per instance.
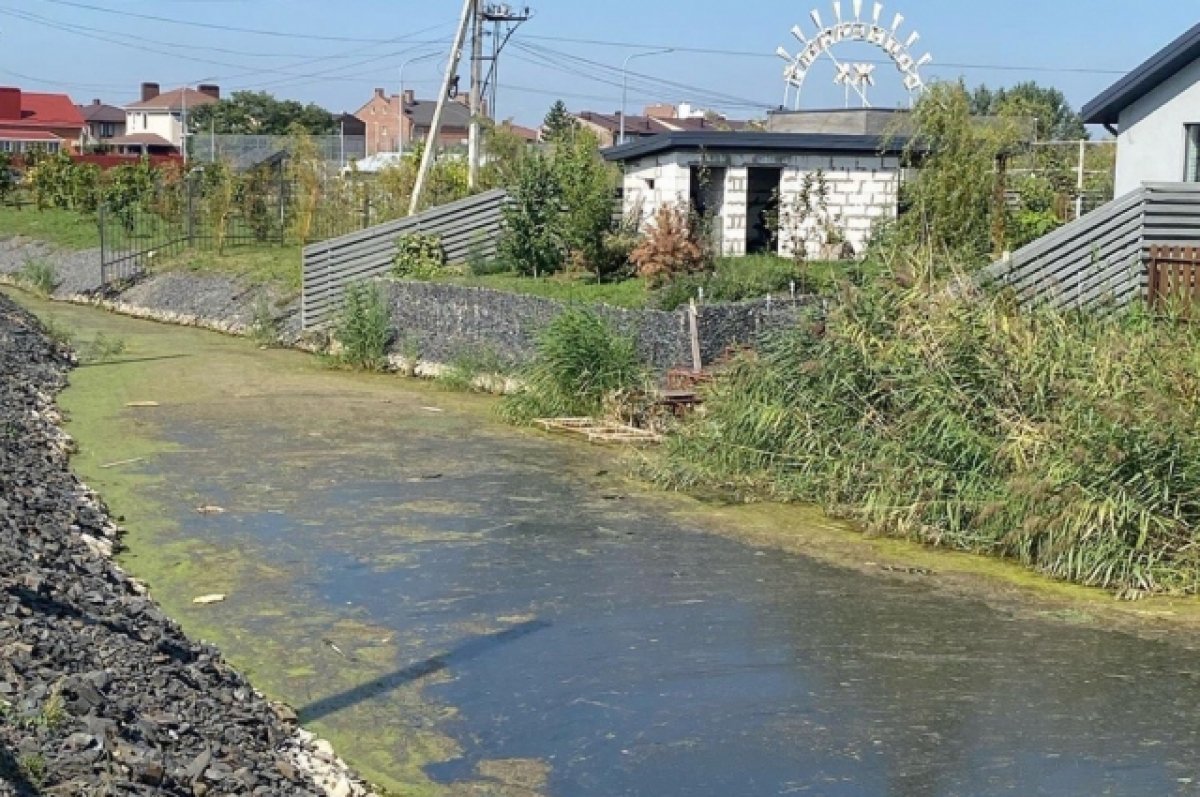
(473, 143)
(435, 128)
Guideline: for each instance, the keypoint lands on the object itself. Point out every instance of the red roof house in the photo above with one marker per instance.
(30, 119)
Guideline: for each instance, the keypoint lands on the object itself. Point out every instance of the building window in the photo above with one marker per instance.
(1191, 172)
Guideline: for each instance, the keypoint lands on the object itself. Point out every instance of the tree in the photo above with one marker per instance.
(532, 242)
(259, 113)
(559, 123)
(588, 187)
(1053, 115)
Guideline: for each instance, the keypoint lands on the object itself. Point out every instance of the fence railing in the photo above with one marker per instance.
(467, 228)
(1102, 257)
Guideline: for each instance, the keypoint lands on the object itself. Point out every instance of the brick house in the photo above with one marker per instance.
(31, 120)
(390, 130)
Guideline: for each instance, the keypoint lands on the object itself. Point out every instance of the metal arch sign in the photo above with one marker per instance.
(842, 29)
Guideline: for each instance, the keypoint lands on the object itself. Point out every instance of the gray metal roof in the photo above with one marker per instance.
(723, 141)
(1106, 108)
(456, 115)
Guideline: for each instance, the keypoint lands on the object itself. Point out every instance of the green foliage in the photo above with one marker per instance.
(33, 768)
(419, 256)
(1065, 441)
(8, 176)
(479, 264)
(533, 242)
(581, 367)
(219, 189)
(127, 190)
(363, 328)
(264, 325)
(466, 369)
(563, 287)
(38, 276)
(559, 124)
(587, 186)
(1046, 107)
(101, 349)
(737, 278)
(259, 113)
(955, 203)
(505, 151)
(51, 180)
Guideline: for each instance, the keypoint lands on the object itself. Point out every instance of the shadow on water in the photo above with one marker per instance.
(471, 649)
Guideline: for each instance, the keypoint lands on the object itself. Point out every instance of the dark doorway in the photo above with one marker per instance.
(762, 210)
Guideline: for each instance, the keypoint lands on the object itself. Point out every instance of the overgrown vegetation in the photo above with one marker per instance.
(418, 256)
(672, 245)
(101, 349)
(582, 367)
(363, 329)
(38, 276)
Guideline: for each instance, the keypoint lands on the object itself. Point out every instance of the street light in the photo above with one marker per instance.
(625, 83)
(400, 117)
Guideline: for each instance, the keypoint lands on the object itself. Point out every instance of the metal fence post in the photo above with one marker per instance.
(190, 187)
(102, 215)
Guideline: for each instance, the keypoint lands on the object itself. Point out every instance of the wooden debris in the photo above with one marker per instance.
(123, 462)
(210, 510)
(142, 404)
(205, 600)
(600, 432)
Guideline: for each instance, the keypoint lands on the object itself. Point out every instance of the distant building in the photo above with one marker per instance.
(31, 120)
(655, 119)
(749, 181)
(155, 124)
(394, 123)
(103, 123)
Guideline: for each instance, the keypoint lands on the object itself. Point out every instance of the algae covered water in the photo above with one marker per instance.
(469, 609)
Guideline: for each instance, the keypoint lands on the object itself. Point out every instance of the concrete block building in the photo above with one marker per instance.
(754, 185)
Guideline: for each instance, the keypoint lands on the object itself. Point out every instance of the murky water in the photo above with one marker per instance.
(463, 606)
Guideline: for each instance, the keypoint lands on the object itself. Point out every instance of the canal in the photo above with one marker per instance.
(466, 608)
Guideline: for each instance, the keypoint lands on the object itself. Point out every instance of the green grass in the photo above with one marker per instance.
(66, 228)
(259, 264)
(630, 293)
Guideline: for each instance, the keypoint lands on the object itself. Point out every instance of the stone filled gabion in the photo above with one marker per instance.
(101, 693)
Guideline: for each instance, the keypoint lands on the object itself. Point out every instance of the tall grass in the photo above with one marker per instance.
(1066, 441)
(38, 276)
(364, 328)
(581, 368)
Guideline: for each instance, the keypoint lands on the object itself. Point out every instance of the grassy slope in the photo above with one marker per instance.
(64, 228)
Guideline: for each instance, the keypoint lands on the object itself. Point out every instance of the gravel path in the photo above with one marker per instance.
(100, 693)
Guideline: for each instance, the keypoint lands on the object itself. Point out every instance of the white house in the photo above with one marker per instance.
(754, 183)
(1154, 112)
(155, 123)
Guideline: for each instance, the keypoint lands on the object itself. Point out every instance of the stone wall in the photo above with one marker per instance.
(443, 322)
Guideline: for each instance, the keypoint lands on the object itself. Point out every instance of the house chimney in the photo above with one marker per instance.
(410, 98)
(210, 90)
(379, 94)
(10, 103)
(95, 102)
(149, 91)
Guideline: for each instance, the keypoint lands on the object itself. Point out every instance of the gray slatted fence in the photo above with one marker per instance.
(1101, 257)
(468, 227)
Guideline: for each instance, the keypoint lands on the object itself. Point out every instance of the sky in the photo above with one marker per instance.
(722, 52)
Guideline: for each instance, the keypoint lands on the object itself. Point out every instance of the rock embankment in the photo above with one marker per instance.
(101, 693)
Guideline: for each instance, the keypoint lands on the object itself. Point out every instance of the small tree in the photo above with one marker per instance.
(587, 185)
(559, 124)
(533, 241)
(671, 245)
(8, 178)
(306, 170)
(220, 194)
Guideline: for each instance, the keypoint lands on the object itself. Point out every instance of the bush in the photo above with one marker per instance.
(735, 279)
(1064, 441)
(419, 256)
(671, 245)
(364, 328)
(532, 242)
(580, 367)
(38, 276)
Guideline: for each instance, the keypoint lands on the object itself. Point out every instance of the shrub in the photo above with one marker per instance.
(532, 243)
(581, 366)
(264, 326)
(364, 328)
(1062, 440)
(38, 276)
(671, 245)
(419, 256)
(101, 349)
(8, 176)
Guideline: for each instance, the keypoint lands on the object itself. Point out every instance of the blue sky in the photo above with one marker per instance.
(336, 53)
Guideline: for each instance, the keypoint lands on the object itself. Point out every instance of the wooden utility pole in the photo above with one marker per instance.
(474, 144)
(435, 128)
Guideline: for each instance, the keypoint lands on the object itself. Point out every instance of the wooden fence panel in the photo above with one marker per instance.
(1174, 274)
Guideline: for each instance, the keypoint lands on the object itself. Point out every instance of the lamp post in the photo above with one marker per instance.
(625, 83)
(400, 115)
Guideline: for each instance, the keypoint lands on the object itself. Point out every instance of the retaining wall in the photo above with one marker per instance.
(443, 322)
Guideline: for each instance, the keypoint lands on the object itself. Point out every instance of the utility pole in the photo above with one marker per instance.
(435, 128)
(504, 20)
(473, 144)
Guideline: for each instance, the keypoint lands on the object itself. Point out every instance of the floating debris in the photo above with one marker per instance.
(601, 432)
(122, 462)
(205, 600)
(210, 510)
(142, 404)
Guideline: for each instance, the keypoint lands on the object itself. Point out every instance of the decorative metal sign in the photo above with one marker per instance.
(858, 77)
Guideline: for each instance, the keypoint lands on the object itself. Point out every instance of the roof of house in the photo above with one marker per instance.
(724, 141)
(525, 133)
(637, 125)
(46, 110)
(1106, 108)
(456, 115)
(100, 112)
(140, 140)
(10, 134)
(173, 101)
